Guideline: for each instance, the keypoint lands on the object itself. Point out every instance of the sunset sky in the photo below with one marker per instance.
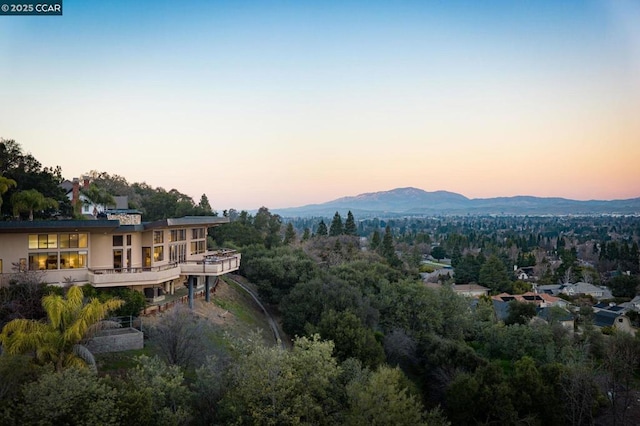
(286, 103)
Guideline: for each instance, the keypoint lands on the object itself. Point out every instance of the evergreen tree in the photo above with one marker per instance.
(336, 227)
(289, 234)
(375, 241)
(205, 207)
(350, 227)
(273, 231)
(388, 251)
(493, 274)
(322, 228)
(306, 235)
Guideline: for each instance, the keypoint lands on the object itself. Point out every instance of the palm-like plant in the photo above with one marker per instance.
(5, 184)
(98, 196)
(30, 200)
(70, 321)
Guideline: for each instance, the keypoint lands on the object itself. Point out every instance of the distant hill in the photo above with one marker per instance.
(414, 201)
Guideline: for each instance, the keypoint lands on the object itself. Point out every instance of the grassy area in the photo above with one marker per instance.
(115, 363)
(247, 315)
(243, 307)
(232, 313)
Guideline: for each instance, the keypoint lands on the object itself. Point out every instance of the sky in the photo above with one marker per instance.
(287, 103)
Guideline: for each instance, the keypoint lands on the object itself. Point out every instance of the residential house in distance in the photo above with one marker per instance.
(540, 300)
(548, 308)
(75, 195)
(633, 304)
(587, 289)
(524, 273)
(579, 288)
(617, 320)
(119, 251)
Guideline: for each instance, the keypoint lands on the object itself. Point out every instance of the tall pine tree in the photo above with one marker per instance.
(375, 241)
(322, 228)
(289, 234)
(336, 226)
(350, 227)
(388, 251)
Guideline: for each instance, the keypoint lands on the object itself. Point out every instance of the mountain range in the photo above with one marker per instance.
(417, 202)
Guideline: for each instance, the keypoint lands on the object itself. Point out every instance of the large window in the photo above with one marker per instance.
(73, 259)
(43, 241)
(158, 237)
(118, 240)
(42, 261)
(178, 235)
(158, 253)
(177, 252)
(72, 241)
(197, 233)
(198, 247)
(62, 258)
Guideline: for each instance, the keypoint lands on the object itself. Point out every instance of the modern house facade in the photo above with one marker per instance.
(119, 251)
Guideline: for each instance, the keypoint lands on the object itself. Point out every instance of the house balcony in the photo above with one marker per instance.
(213, 263)
(133, 276)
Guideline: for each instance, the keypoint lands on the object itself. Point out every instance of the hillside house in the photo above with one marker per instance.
(119, 251)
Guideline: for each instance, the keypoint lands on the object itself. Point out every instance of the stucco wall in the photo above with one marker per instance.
(101, 252)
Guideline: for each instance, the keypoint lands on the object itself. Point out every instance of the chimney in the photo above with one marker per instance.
(85, 182)
(75, 197)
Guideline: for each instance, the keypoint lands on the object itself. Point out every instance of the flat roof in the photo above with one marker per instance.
(105, 225)
(187, 221)
(58, 225)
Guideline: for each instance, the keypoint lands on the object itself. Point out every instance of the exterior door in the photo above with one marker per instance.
(146, 257)
(117, 260)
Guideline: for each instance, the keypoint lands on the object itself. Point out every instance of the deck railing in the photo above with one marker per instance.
(137, 270)
(218, 262)
(215, 263)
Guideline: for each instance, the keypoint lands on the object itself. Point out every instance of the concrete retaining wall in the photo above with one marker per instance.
(116, 340)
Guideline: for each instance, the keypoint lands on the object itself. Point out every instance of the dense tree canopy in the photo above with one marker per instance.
(29, 174)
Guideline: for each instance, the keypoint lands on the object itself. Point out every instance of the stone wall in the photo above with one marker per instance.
(125, 218)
